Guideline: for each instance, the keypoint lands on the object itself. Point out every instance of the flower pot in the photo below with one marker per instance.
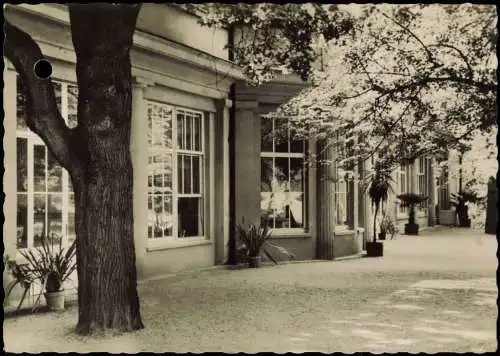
(411, 229)
(55, 300)
(254, 262)
(382, 235)
(374, 249)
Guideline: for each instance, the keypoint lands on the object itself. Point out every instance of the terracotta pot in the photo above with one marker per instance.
(55, 300)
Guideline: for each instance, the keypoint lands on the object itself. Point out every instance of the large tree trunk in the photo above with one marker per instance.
(107, 278)
(96, 154)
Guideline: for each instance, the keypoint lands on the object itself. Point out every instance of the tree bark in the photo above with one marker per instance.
(375, 223)
(96, 154)
(107, 277)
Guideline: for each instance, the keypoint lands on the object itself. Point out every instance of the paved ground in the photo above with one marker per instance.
(435, 292)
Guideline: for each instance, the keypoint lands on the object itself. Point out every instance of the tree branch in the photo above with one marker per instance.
(43, 116)
(429, 53)
(460, 53)
(482, 87)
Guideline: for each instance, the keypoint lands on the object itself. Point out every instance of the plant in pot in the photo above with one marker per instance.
(459, 201)
(253, 238)
(52, 266)
(411, 200)
(16, 274)
(379, 185)
(386, 227)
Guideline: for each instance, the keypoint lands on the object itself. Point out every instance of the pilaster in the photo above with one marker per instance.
(10, 161)
(139, 153)
(221, 180)
(326, 201)
(431, 183)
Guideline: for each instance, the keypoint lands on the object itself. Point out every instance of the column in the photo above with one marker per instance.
(413, 177)
(139, 153)
(354, 213)
(247, 162)
(431, 183)
(221, 180)
(367, 205)
(326, 201)
(10, 162)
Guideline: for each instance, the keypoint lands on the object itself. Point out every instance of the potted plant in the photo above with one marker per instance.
(379, 184)
(410, 200)
(386, 227)
(253, 239)
(52, 266)
(16, 274)
(459, 201)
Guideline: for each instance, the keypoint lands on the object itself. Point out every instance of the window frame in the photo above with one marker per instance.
(204, 172)
(406, 171)
(288, 231)
(345, 175)
(422, 179)
(33, 140)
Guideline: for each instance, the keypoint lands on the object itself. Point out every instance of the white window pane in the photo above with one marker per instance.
(281, 171)
(20, 104)
(159, 216)
(280, 135)
(196, 175)
(266, 174)
(189, 132)
(294, 210)
(39, 215)
(197, 133)
(54, 217)
(266, 209)
(39, 168)
(296, 174)
(166, 219)
(266, 134)
(71, 218)
(190, 217)
(185, 171)
(22, 165)
(180, 130)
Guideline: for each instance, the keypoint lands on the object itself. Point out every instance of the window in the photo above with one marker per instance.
(404, 184)
(45, 199)
(444, 197)
(422, 177)
(175, 172)
(421, 183)
(283, 177)
(344, 184)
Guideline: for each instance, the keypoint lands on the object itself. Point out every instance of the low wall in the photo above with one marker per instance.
(348, 243)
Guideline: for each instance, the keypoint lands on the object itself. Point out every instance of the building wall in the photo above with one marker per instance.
(185, 67)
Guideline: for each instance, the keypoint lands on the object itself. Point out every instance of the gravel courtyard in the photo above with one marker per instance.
(435, 292)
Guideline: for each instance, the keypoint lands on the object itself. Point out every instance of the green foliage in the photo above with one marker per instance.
(51, 265)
